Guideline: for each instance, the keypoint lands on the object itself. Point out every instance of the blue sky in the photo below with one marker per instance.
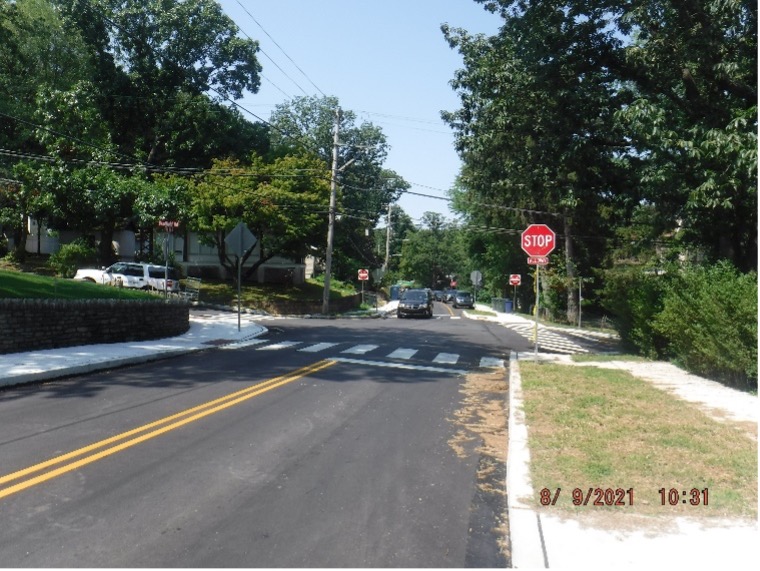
(386, 60)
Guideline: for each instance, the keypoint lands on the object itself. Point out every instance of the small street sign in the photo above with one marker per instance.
(538, 240)
(168, 225)
(515, 279)
(240, 239)
(363, 275)
(538, 261)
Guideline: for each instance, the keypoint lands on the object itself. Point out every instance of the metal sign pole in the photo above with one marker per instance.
(240, 275)
(166, 263)
(536, 327)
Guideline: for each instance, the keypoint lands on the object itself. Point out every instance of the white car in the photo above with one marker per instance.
(132, 275)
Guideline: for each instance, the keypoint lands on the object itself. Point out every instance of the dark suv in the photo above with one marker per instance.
(463, 299)
(415, 302)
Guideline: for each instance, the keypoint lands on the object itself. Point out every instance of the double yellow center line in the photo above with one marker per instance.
(98, 450)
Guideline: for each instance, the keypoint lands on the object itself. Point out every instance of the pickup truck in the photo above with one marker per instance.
(132, 275)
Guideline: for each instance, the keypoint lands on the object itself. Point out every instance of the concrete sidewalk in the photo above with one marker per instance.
(539, 538)
(208, 328)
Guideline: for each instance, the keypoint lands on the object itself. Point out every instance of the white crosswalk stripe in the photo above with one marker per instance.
(360, 349)
(402, 353)
(446, 358)
(492, 363)
(318, 347)
(278, 346)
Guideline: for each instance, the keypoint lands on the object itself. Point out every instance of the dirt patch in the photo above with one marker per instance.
(482, 419)
(483, 415)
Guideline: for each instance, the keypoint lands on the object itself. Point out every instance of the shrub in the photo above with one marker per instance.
(72, 256)
(709, 317)
(635, 296)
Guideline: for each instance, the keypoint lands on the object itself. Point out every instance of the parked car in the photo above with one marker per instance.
(438, 295)
(448, 295)
(463, 299)
(415, 303)
(132, 275)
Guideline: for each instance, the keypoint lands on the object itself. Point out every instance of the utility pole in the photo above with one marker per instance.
(331, 216)
(388, 240)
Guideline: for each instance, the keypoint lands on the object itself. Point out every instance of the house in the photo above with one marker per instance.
(195, 258)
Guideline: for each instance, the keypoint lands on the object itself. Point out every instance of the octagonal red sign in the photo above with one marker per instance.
(538, 240)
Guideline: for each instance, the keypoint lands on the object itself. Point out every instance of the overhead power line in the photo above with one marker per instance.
(282, 50)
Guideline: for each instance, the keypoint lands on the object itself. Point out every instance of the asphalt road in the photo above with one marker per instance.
(325, 444)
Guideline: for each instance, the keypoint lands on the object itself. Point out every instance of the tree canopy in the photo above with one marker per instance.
(365, 187)
(585, 115)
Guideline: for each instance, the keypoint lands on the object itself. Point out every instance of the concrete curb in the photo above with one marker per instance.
(71, 371)
(140, 353)
(526, 538)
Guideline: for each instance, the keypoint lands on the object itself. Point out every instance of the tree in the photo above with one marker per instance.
(434, 253)
(692, 70)
(578, 114)
(366, 188)
(155, 57)
(536, 131)
(283, 203)
(39, 56)
(39, 53)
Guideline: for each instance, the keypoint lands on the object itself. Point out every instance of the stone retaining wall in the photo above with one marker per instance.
(34, 324)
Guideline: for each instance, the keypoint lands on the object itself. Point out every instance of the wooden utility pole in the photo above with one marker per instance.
(388, 239)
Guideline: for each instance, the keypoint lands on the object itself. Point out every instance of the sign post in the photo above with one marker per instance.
(476, 277)
(240, 240)
(168, 226)
(514, 280)
(363, 277)
(538, 241)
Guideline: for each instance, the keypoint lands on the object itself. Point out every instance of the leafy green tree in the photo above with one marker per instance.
(155, 58)
(39, 53)
(578, 114)
(200, 130)
(434, 253)
(283, 204)
(365, 187)
(39, 56)
(691, 68)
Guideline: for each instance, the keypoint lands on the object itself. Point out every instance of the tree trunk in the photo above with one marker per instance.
(107, 255)
(572, 301)
(19, 238)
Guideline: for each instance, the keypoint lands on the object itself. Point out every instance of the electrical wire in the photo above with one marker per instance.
(178, 170)
(283, 51)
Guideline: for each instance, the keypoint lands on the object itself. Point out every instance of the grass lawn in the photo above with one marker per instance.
(22, 285)
(600, 428)
(253, 295)
(26, 285)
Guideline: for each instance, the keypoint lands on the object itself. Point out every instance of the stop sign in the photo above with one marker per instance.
(538, 240)
(363, 275)
(514, 279)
